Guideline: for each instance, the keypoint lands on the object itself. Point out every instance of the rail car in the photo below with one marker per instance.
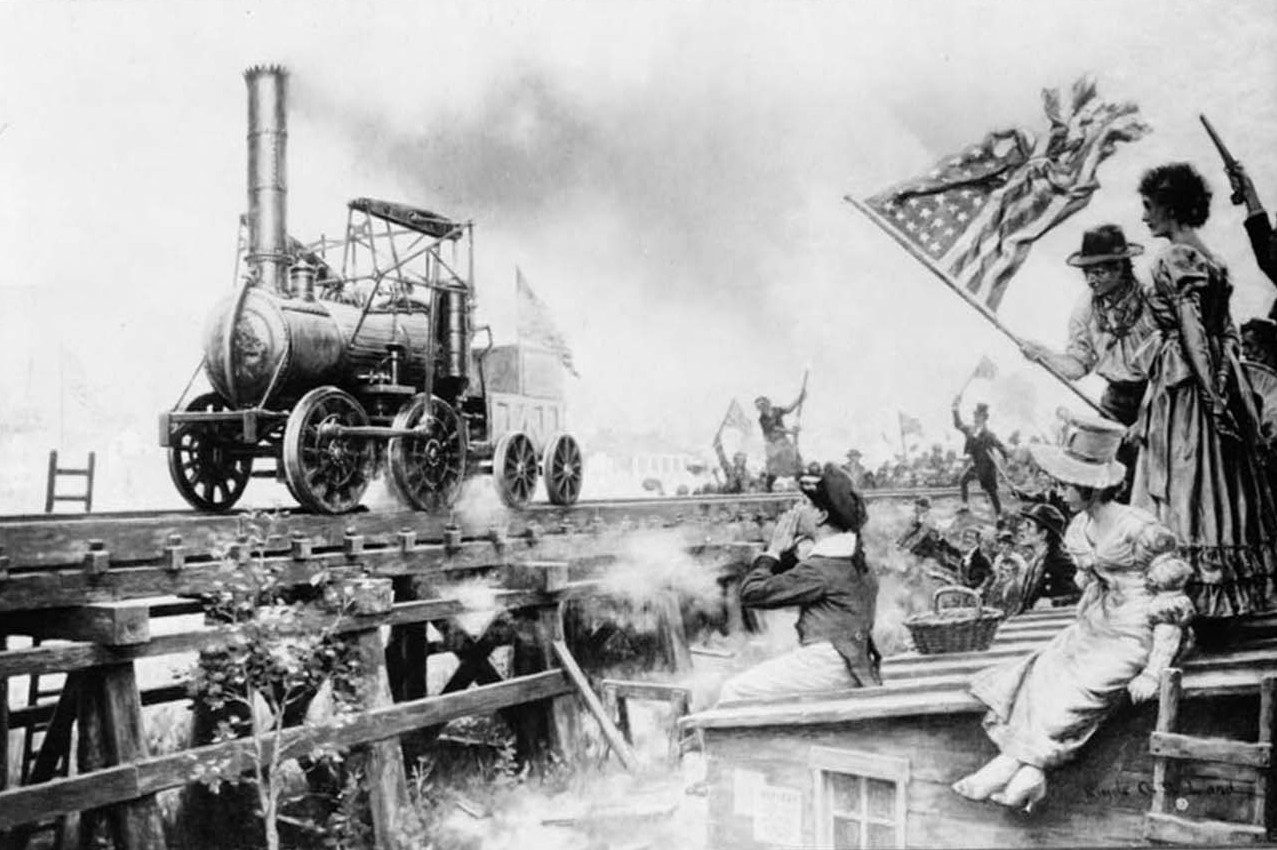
(345, 359)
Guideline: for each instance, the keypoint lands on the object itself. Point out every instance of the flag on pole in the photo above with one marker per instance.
(976, 213)
(535, 325)
(986, 369)
(909, 425)
(736, 418)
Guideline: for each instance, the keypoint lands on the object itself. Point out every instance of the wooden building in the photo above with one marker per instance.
(873, 767)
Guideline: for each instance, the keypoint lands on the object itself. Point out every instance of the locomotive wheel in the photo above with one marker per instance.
(426, 471)
(563, 470)
(514, 468)
(327, 473)
(201, 464)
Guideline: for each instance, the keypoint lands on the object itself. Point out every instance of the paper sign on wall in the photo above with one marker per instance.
(778, 816)
(745, 787)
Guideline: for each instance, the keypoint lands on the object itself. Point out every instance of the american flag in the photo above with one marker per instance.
(535, 325)
(909, 425)
(737, 419)
(976, 213)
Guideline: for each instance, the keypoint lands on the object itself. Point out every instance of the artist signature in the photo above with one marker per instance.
(1182, 788)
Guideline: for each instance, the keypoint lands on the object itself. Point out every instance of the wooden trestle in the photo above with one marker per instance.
(93, 588)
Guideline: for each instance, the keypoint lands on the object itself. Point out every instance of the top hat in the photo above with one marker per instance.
(981, 409)
(1088, 457)
(762, 398)
(854, 453)
(1104, 244)
(1263, 329)
(1047, 516)
(834, 493)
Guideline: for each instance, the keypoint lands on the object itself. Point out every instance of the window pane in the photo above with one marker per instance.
(846, 834)
(844, 793)
(882, 799)
(880, 836)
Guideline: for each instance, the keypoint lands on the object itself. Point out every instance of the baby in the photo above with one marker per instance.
(1169, 613)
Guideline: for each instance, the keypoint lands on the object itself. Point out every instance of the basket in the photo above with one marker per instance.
(965, 629)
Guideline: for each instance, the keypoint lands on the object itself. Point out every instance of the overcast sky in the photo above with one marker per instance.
(669, 178)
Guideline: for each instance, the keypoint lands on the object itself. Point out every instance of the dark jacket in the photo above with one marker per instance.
(976, 571)
(836, 603)
(980, 446)
(1264, 242)
(1054, 576)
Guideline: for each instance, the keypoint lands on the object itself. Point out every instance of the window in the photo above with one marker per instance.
(860, 798)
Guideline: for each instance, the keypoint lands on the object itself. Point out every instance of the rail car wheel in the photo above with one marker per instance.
(208, 474)
(514, 468)
(426, 471)
(563, 469)
(328, 473)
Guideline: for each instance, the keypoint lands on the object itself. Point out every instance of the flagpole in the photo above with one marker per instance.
(904, 453)
(952, 284)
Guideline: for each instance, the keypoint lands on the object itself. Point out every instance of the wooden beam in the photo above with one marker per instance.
(653, 691)
(1191, 748)
(1167, 716)
(610, 732)
(138, 822)
(107, 623)
(111, 785)
(395, 822)
(1170, 829)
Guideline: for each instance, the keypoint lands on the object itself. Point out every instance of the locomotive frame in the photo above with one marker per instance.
(339, 374)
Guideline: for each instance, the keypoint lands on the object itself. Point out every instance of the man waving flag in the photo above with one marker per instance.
(974, 216)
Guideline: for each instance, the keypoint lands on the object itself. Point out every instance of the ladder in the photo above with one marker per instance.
(1169, 749)
(51, 494)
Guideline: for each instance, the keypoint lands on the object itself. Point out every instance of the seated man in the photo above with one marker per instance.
(833, 587)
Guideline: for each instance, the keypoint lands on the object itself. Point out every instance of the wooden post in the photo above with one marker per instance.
(680, 701)
(563, 713)
(138, 823)
(1167, 714)
(394, 821)
(4, 722)
(614, 738)
(407, 654)
(92, 753)
(673, 636)
(1267, 692)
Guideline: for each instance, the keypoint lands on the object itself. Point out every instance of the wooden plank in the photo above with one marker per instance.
(93, 754)
(610, 732)
(75, 656)
(395, 822)
(110, 785)
(1176, 746)
(4, 721)
(1169, 829)
(1267, 709)
(671, 633)
(64, 587)
(38, 540)
(654, 691)
(108, 623)
(139, 825)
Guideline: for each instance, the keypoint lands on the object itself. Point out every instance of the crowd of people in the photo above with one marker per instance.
(1155, 515)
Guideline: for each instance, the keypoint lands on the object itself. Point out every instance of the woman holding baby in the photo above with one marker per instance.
(1129, 626)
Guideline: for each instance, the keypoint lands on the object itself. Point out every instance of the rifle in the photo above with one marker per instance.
(1231, 165)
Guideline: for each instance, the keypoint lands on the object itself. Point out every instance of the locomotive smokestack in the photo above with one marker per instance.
(267, 175)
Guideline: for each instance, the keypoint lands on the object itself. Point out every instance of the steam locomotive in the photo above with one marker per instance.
(338, 371)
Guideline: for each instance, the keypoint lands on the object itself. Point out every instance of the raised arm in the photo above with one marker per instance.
(957, 417)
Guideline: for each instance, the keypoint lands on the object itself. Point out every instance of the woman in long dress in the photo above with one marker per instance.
(1045, 707)
(1199, 469)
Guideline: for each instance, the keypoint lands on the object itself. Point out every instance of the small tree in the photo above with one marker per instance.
(279, 653)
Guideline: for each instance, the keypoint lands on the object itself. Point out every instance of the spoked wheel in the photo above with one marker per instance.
(514, 468)
(202, 462)
(427, 470)
(327, 473)
(563, 469)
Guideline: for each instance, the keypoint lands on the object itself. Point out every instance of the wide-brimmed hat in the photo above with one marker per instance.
(1088, 457)
(834, 492)
(1104, 244)
(1047, 516)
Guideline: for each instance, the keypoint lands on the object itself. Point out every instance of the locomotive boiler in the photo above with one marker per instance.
(344, 359)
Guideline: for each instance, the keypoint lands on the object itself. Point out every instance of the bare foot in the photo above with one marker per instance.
(992, 777)
(1024, 790)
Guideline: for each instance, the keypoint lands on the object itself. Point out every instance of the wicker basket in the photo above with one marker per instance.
(969, 628)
